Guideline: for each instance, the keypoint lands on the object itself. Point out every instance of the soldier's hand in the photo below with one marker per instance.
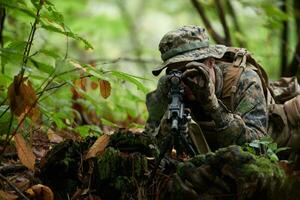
(198, 80)
(164, 85)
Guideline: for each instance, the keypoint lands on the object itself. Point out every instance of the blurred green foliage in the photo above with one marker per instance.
(117, 41)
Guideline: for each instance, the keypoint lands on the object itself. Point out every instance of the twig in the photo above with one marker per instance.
(12, 168)
(13, 187)
(223, 20)
(211, 31)
(54, 87)
(30, 40)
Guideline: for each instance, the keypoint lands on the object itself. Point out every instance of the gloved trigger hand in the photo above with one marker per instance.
(195, 76)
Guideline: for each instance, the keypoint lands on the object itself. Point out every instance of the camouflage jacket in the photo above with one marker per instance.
(247, 122)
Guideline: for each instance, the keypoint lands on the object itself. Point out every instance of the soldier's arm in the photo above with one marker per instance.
(249, 120)
(157, 103)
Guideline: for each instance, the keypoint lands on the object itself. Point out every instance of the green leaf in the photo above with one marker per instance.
(54, 16)
(59, 122)
(13, 53)
(273, 157)
(42, 66)
(272, 146)
(54, 27)
(18, 6)
(5, 80)
(108, 123)
(96, 72)
(131, 79)
(255, 144)
(50, 53)
(282, 149)
(266, 140)
(87, 130)
(36, 3)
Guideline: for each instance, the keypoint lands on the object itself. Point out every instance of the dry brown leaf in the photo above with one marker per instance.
(22, 98)
(40, 191)
(7, 196)
(94, 85)
(83, 83)
(24, 151)
(98, 147)
(53, 137)
(105, 88)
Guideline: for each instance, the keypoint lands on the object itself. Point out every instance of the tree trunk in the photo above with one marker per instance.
(284, 41)
(294, 64)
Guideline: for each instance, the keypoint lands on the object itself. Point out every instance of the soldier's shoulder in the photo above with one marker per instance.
(251, 74)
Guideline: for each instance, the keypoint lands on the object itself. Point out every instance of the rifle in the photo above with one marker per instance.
(178, 117)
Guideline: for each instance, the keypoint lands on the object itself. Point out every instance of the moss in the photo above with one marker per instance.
(264, 167)
(108, 164)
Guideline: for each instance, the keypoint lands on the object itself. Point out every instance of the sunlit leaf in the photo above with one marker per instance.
(25, 152)
(18, 6)
(131, 79)
(52, 27)
(98, 147)
(105, 88)
(53, 15)
(108, 123)
(282, 149)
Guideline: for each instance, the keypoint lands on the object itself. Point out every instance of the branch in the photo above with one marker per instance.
(30, 39)
(236, 24)
(223, 20)
(12, 168)
(198, 6)
(132, 28)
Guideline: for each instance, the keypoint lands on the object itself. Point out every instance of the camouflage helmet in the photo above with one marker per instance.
(185, 44)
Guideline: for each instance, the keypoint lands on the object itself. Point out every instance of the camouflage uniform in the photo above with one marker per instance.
(220, 126)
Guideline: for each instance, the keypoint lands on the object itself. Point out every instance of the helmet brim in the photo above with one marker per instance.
(216, 51)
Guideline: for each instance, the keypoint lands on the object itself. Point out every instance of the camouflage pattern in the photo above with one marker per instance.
(186, 44)
(221, 127)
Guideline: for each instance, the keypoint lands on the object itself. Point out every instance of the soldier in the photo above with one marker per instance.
(204, 74)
